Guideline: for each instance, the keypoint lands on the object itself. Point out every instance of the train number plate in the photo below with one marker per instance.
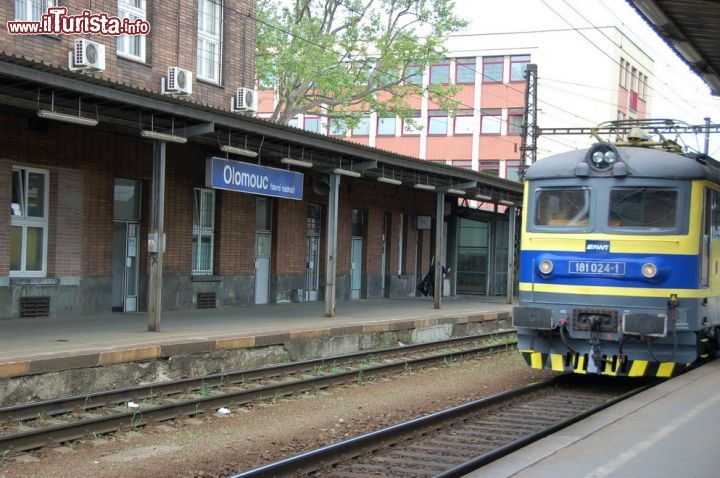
(604, 268)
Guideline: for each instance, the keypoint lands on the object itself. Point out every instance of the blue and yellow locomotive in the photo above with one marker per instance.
(620, 259)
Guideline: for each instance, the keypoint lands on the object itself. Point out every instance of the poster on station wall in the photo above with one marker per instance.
(221, 173)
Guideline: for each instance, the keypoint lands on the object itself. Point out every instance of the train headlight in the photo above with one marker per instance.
(649, 270)
(602, 155)
(545, 266)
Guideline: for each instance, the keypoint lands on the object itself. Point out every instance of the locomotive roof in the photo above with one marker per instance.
(640, 162)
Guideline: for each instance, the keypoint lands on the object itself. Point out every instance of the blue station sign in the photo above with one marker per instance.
(221, 173)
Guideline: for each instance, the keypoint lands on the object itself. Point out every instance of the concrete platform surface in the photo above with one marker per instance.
(119, 337)
(670, 431)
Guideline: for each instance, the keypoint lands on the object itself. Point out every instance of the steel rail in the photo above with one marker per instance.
(60, 406)
(325, 457)
(486, 458)
(36, 438)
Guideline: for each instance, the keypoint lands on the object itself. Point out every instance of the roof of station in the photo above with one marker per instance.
(26, 85)
(690, 28)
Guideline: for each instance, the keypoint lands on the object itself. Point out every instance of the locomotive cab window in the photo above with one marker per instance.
(653, 208)
(562, 207)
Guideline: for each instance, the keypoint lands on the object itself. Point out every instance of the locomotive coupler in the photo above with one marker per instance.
(595, 356)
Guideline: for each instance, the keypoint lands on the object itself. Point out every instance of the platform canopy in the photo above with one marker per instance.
(122, 109)
(690, 28)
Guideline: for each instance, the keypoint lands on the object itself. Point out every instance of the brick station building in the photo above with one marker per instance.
(138, 178)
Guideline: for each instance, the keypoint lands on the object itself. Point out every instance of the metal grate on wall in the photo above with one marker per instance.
(206, 300)
(34, 307)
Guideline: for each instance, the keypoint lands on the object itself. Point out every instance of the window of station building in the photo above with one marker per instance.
(437, 122)
(294, 122)
(263, 214)
(312, 123)
(489, 167)
(132, 46)
(29, 222)
(413, 75)
(440, 73)
(32, 10)
(490, 121)
(464, 121)
(493, 69)
(203, 231)
(465, 70)
(515, 120)
(386, 125)
(127, 199)
(518, 66)
(358, 222)
(412, 125)
(314, 219)
(622, 82)
(209, 44)
(362, 128)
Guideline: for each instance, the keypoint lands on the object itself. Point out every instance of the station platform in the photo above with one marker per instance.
(670, 431)
(42, 345)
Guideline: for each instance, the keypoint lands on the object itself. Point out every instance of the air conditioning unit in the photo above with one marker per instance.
(87, 55)
(178, 82)
(245, 100)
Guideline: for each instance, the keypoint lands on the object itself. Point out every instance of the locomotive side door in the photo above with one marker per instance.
(706, 237)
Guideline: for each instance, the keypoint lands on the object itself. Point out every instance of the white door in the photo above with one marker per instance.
(263, 240)
(125, 259)
(312, 263)
(356, 268)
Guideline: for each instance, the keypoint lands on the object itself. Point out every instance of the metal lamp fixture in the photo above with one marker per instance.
(74, 119)
(157, 135)
(426, 187)
(297, 162)
(347, 172)
(387, 180)
(226, 148)
(66, 118)
(171, 138)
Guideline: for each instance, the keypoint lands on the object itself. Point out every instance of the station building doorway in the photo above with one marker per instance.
(263, 247)
(125, 244)
(482, 255)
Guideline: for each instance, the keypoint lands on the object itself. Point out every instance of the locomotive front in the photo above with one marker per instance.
(615, 262)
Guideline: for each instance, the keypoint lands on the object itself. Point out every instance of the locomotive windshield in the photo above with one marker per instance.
(643, 208)
(620, 210)
(562, 206)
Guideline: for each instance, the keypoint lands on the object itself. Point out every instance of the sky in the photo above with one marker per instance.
(678, 92)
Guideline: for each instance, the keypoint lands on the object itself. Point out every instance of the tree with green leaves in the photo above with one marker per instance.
(335, 58)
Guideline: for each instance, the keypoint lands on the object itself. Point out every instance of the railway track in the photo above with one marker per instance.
(461, 439)
(29, 426)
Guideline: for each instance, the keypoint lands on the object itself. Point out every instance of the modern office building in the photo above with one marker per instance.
(585, 77)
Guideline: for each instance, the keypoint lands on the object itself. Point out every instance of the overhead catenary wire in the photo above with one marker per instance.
(461, 105)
